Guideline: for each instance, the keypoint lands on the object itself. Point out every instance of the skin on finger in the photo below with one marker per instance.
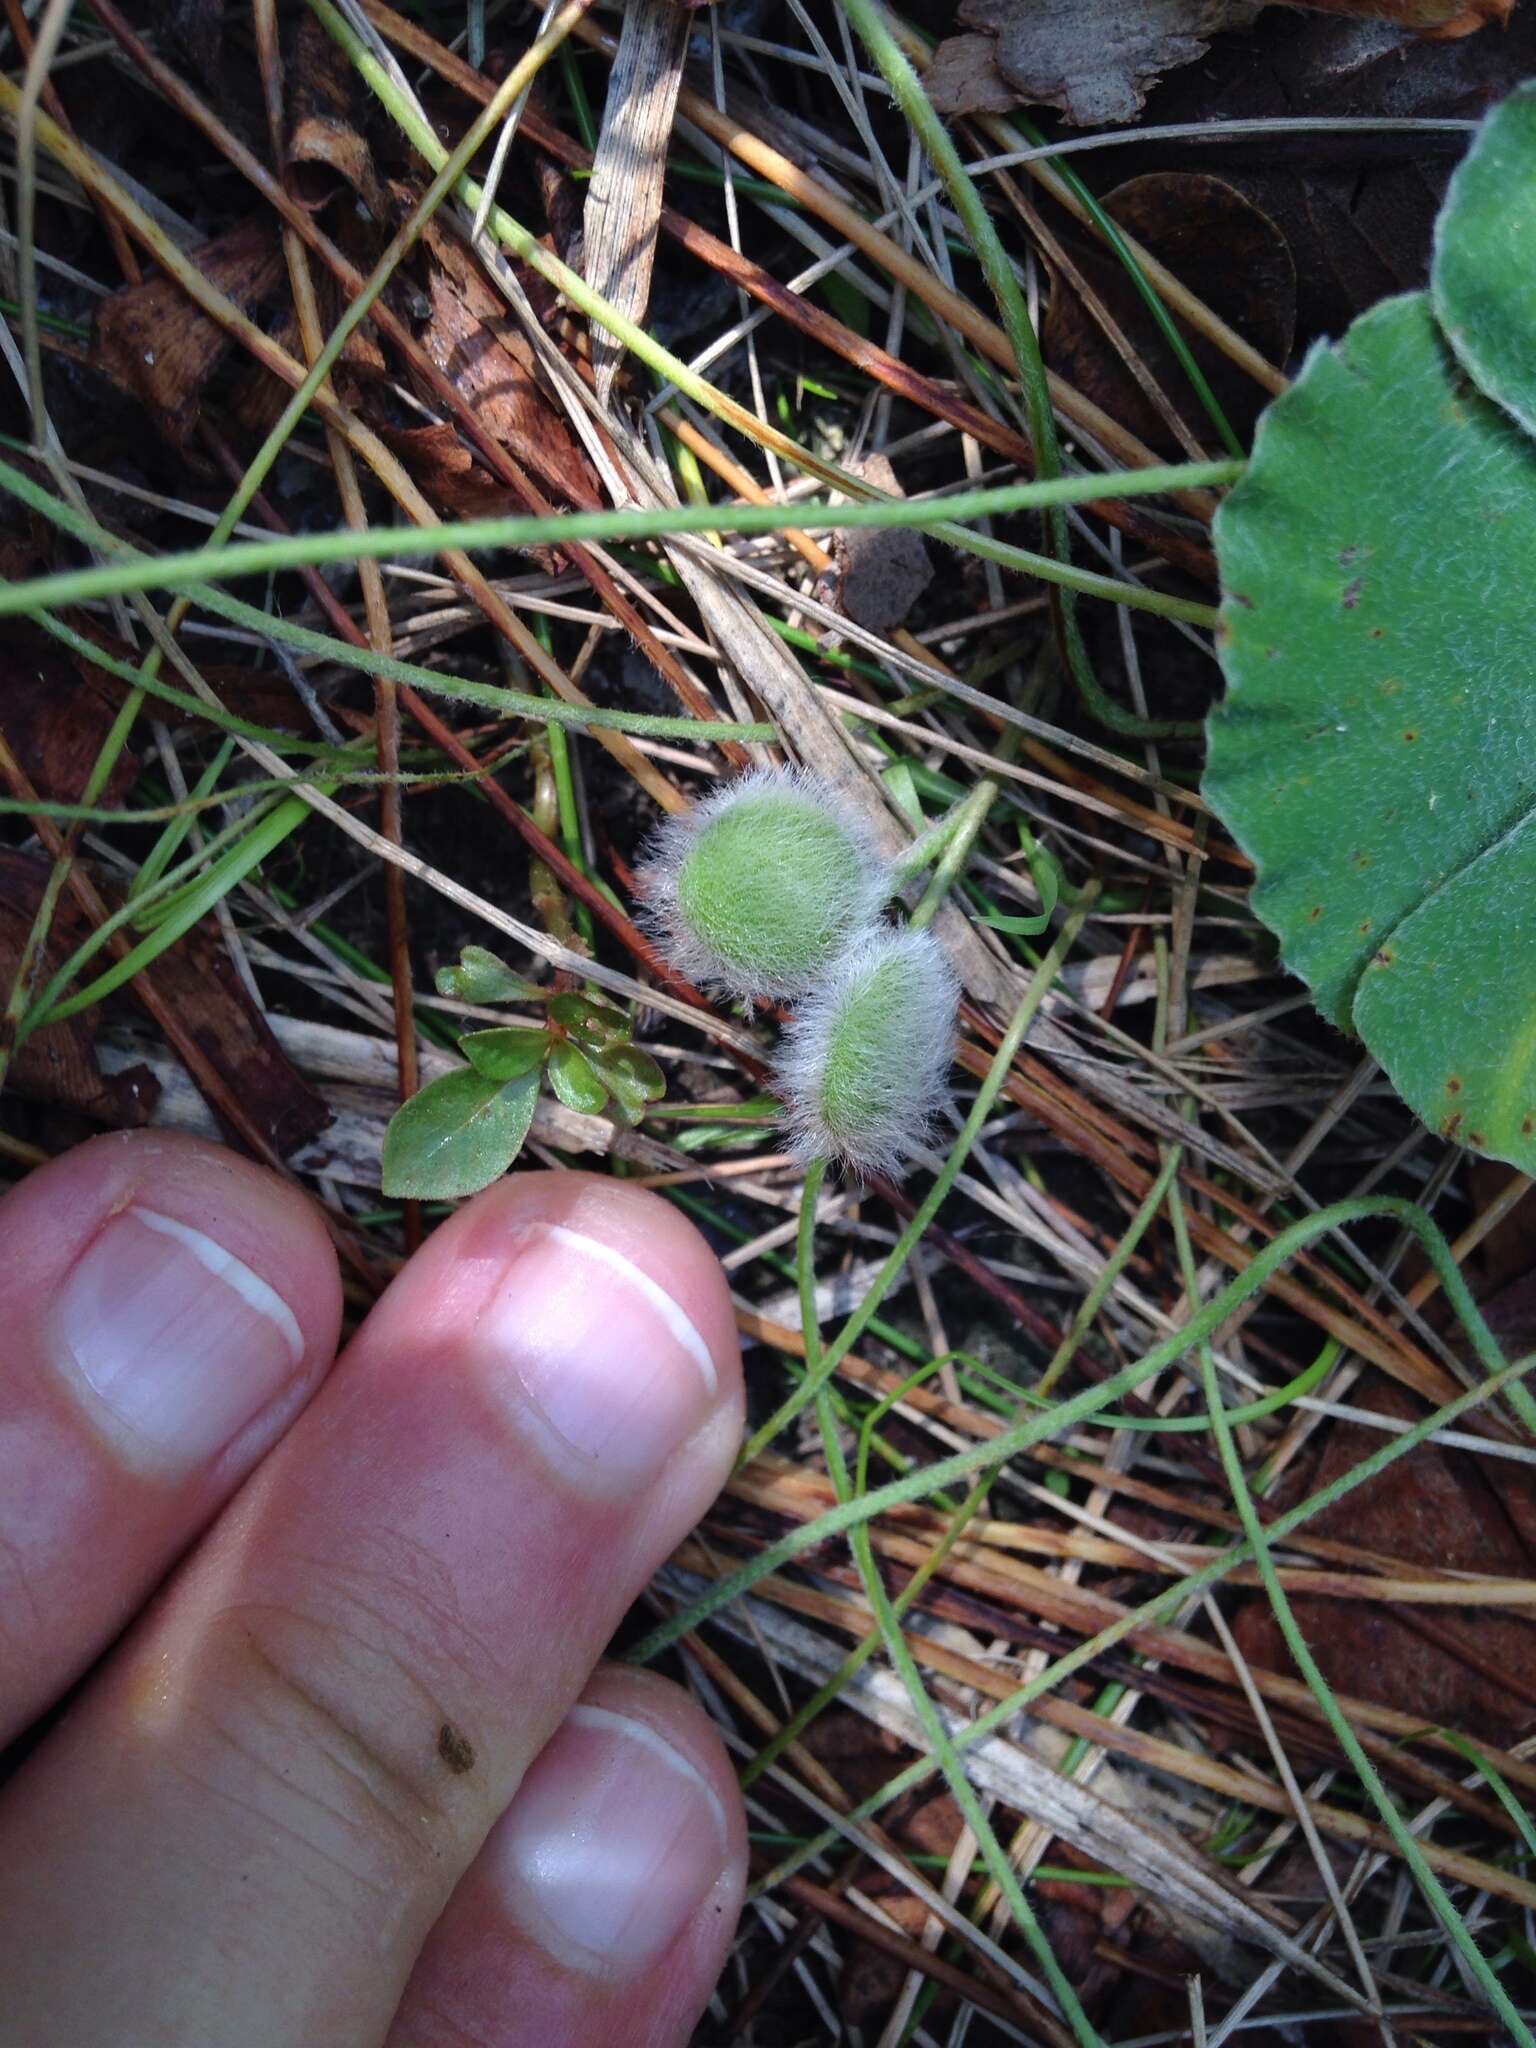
(169, 1309)
(600, 1909)
(308, 1740)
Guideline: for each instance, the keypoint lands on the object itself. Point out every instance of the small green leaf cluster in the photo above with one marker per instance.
(465, 1129)
(771, 889)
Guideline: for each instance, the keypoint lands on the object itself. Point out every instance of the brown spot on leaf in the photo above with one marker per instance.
(1527, 1126)
(455, 1750)
(1454, 1085)
(1314, 913)
(1451, 1125)
(1410, 736)
(1351, 594)
(1477, 1138)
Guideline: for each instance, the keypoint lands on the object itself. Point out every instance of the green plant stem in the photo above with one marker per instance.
(183, 700)
(805, 1265)
(1438, 1899)
(891, 1632)
(1080, 1406)
(970, 1506)
(509, 703)
(926, 848)
(190, 571)
(1251, 1411)
(258, 841)
(896, 67)
(929, 1207)
(186, 808)
(1112, 1268)
(1151, 1612)
(1495, 1782)
(801, 1719)
(942, 1748)
(969, 820)
(204, 792)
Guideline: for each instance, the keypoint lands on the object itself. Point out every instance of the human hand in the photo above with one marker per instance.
(349, 1780)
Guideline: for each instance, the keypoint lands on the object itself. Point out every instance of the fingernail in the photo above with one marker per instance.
(614, 1842)
(613, 1367)
(170, 1341)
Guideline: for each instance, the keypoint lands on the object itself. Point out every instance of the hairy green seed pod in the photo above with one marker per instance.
(862, 1068)
(756, 889)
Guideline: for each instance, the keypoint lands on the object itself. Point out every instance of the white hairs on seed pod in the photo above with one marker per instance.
(788, 864)
(904, 1070)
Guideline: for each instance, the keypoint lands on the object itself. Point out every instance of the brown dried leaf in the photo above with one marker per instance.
(491, 366)
(1434, 1507)
(325, 146)
(446, 469)
(964, 78)
(1229, 252)
(55, 711)
(197, 979)
(59, 1064)
(480, 350)
(153, 342)
(1358, 211)
(1093, 63)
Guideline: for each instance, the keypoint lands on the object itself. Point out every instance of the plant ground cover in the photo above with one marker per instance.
(1120, 1613)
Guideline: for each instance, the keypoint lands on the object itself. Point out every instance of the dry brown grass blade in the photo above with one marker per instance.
(948, 305)
(1174, 1760)
(1019, 2010)
(986, 1542)
(1173, 1874)
(1059, 1602)
(358, 436)
(375, 604)
(303, 223)
(812, 320)
(624, 198)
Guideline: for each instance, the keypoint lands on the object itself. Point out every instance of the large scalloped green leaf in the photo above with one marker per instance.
(1376, 750)
(1484, 280)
